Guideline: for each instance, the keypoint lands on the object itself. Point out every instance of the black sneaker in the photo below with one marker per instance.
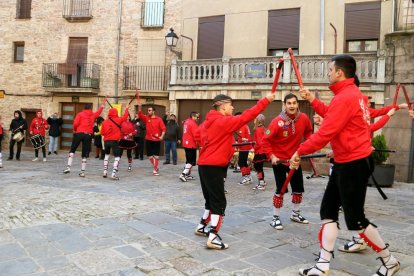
(55, 152)
(10, 158)
(276, 223)
(296, 217)
(49, 153)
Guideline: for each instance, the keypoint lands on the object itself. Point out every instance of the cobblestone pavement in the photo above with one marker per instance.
(56, 224)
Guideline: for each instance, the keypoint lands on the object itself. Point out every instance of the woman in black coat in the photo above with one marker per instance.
(18, 124)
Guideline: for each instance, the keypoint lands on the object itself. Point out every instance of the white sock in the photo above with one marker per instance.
(187, 169)
(70, 159)
(116, 164)
(106, 160)
(276, 212)
(206, 214)
(83, 167)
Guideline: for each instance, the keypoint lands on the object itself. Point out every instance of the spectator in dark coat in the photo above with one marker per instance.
(171, 139)
(139, 137)
(54, 132)
(18, 124)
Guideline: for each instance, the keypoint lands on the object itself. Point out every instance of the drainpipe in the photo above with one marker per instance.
(322, 27)
(394, 10)
(118, 48)
(335, 35)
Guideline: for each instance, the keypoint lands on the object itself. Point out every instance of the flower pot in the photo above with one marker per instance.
(384, 175)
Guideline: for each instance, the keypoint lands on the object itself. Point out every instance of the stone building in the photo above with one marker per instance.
(58, 55)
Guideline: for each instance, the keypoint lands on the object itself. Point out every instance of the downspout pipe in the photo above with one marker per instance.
(410, 156)
(322, 26)
(118, 49)
(335, 36)
(394, 11)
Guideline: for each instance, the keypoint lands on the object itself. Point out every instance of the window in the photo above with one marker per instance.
(152, 14)
(281, 52)
(283, 31)
(18, 51)
(210, 37)
(362, 26)
(24, 8)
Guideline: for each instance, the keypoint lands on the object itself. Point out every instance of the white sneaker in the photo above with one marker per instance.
(82, 174)
(276, 223)
(1, 165)
(245, 180)
(183, 178)
(44, 159)
(35, 159)
(67, 170)
(105, 174)
(296, 217)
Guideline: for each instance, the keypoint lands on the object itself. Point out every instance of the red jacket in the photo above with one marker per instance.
(155, 126)
(216, 134)
(189, 134)
(258, 137)
(128, 130)
(279, 139)
(345, 125)
(39, 126)
(110, 131)
(84, 121)
(244, 135)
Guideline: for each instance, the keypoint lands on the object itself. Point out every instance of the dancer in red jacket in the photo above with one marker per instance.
(128, 131)
(38, 127)
(189, 145)
(259, 153)
(111, 133)
(216, 139)
(281, 139)
(83, 131)
(346, 127)
(155, 134)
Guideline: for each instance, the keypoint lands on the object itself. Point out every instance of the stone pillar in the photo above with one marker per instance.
(287, 68)
(173, 79)
(381, 66)
(226, 69)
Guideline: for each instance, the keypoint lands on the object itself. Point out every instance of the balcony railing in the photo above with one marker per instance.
(146, 78)
(152, 14)
(77, 10)
(313, 69)
(85, 75)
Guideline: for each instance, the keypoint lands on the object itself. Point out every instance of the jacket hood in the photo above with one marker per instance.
(211, 116)
(20, 114)
(113, 113)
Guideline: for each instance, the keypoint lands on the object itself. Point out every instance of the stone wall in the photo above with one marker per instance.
(400, 69)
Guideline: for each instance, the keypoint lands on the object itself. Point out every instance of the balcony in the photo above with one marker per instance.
(71, 78)
(152, 14)
(77, 10)
(146, 78)
(313, 69)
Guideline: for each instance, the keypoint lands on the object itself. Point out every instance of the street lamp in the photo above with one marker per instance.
(171, 39)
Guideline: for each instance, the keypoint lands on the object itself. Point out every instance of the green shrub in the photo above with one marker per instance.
(378, 142)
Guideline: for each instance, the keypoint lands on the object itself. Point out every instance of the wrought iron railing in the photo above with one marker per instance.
(84, 75)
(146, 78)
(77, 9)
(152, 14)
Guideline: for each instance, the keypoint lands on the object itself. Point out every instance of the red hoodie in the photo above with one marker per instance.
(189, 134)
(39, 126)
(128, 130)
(85, 120)
(279, 139)
(258, 137)
(154, 127)
(244, 132)
(345, 125)
(110, 130)
(216, 134)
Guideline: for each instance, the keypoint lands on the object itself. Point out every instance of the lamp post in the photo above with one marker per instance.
(172, 39)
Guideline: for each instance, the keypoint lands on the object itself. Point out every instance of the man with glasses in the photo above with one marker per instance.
(189, 145)
(155, 134)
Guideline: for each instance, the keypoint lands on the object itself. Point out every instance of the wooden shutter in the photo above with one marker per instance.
(362, 20)
(283, 29)
(210, 37)
(78, 50)
(24, 9)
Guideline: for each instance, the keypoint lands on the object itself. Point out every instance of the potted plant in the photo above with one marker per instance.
(52, 80)
(383, 173)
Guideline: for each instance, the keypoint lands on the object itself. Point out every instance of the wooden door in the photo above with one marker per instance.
(69, 111)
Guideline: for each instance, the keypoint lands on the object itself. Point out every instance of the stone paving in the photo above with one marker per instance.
(56, 224)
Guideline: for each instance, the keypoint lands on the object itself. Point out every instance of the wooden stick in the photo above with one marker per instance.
(278, 70)
(397, 89)
(295, 68)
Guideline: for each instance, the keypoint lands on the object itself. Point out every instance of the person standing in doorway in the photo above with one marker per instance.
(17, 127)
(54, 132)
(172, 138)
(139, 137)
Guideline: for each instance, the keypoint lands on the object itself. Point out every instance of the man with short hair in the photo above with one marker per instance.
(281, 139)
(155, 134)
(189, 145)
(171, 139)
(54, 132)
(215, 140)
(83, 131)
(346, 127)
